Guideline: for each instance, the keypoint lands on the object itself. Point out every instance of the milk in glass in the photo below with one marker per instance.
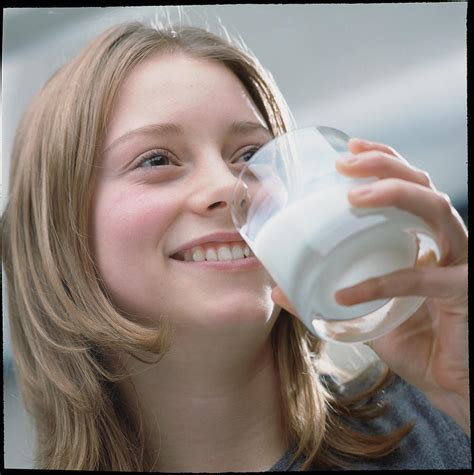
(319, 244)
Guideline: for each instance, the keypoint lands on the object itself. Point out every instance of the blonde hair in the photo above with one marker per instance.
(63, 325)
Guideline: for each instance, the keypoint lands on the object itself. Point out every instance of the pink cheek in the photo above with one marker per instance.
(127, 228)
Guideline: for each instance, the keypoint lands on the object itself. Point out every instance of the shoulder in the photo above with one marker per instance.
(435, 442)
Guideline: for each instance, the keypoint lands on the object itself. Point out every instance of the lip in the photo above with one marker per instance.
(245, 264)
(220, 236)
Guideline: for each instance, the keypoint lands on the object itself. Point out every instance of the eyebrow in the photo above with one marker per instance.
(237, 127)
(244, 127)
(156, 129)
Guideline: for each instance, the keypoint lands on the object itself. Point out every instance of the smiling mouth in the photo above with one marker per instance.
(215, 252)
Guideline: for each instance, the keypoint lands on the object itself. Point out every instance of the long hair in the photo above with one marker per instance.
(63, 324)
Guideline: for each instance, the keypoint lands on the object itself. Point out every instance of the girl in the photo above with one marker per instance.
(147, 336)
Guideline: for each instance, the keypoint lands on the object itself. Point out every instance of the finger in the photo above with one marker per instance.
(282, 300)
(432, 206)
(357, 145)
(438, 282)
(382, 165)
(427, 259)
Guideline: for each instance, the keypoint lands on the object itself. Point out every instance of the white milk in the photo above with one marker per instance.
(320, 244)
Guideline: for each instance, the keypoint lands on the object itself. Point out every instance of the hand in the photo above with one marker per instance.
(430, 349)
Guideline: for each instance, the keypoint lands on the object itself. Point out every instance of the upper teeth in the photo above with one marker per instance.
(223, 253)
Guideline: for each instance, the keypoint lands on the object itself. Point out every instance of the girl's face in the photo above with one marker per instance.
(180, 131)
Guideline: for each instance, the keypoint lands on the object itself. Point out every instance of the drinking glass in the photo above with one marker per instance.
(290, 205)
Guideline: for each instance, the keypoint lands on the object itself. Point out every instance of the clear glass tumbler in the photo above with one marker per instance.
(290, 205)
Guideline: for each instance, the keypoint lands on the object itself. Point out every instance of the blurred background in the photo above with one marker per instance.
(392, 73)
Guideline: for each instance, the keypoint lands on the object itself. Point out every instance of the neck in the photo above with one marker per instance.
(212, 405)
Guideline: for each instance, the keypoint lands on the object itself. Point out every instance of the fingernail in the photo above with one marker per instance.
(361, 191)
(362, 140)
(348, 158)
(343, 297)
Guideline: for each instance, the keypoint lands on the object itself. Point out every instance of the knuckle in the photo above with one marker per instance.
(373, 157)
(392, 151)
(443, 203)
(377, 287)
(386, 156)
(424, 178)
(395, 190)
(417, 277)
(377, 157)
(387, 149)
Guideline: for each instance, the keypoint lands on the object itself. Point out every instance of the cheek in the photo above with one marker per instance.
(127, 236)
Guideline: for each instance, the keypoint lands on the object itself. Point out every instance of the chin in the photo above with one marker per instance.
(233, 310)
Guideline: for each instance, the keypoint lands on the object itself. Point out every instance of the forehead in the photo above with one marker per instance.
(177, 87)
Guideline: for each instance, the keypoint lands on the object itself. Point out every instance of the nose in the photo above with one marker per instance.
(213, 188)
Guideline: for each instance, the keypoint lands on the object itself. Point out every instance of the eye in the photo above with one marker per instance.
(154, 158)
(247, 155)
